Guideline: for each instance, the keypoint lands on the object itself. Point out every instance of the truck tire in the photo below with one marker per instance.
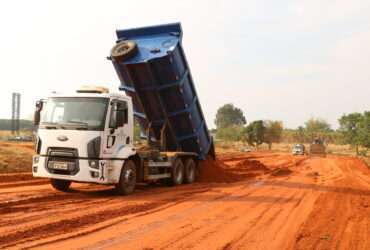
(124, 50)
(177, 173)
(61, 185)
(127, 180)
(190, 168)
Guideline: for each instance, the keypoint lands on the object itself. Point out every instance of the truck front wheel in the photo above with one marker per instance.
(61, 185)
(127, 180)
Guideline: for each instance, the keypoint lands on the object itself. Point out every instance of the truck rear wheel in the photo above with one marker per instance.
(189, 171)
(127, 180)
(177, 172)
(61, 185)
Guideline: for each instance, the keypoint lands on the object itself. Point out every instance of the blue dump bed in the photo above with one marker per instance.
(156, 75)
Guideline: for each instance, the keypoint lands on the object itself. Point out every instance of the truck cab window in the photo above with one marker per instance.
(58, 113)
(119, 114)
(75, 112)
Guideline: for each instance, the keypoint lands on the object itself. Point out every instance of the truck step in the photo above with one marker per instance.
(158, 176)
(156, 164)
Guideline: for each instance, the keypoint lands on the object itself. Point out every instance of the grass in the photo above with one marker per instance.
(5, 134)
(15, 156)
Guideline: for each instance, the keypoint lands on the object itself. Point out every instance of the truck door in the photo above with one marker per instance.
(116, 134)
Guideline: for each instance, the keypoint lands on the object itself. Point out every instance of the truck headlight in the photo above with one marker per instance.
(94, 164)
(36, 159)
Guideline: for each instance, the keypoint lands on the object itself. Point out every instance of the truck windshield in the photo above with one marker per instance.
(84, 113)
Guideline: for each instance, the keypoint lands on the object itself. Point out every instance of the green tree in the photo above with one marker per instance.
(228, 115)
(300, 135)
(253, 134)
(272, 132)
(349, 127)
(364, 131)
(137, 131)
(232, 133)
(316, 127)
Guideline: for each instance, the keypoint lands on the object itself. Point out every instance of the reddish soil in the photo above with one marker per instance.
(257, 200)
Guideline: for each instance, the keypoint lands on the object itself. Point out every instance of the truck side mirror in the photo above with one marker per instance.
(113, 120)
(36, 118)
(37, 115)
(119, 115)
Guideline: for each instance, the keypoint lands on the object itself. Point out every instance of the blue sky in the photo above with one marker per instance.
(284, 60)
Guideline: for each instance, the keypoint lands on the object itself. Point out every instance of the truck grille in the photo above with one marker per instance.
(67, 156)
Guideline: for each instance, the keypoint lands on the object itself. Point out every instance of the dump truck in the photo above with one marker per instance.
(317, 148)
(87, 136)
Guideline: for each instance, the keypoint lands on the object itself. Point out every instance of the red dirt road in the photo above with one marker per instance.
(242, 201)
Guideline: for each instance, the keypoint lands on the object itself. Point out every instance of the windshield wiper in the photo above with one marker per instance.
(76, 122)
(81, 128)
(49, 125)
(75, 125)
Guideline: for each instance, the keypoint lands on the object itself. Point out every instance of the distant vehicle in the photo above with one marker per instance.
(20, 138)
(246, 149)
(298, 149)
(317, 148)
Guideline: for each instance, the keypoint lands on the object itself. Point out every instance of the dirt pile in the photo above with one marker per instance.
(230, 171)
(251, 165)
(216, 171)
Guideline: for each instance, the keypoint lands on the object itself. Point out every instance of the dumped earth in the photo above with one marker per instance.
(256, 200)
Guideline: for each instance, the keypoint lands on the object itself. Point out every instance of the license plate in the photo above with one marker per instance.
(59, 165)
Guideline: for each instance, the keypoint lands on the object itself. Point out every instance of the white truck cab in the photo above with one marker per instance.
(88, 137)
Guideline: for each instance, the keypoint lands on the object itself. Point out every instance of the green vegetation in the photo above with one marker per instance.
(137, 131)
(259, 132)
(228, 116)
(273, 132)
(232, 133)
(230, 122)
(354, 130)
(253, 134)
(316, 128)
(6, 124)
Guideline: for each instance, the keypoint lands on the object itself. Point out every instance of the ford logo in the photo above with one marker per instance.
(62, 138)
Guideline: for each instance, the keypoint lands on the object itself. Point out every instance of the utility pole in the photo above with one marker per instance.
(16, 106)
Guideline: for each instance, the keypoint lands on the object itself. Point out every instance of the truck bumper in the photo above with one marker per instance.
(106, 172)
